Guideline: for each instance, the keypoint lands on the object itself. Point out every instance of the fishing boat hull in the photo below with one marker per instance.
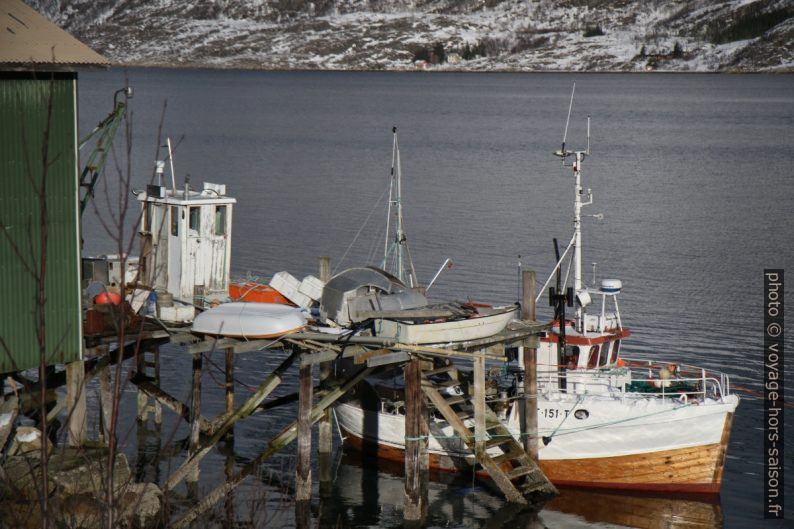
(445, 331)
(249, 320)
(646, 446)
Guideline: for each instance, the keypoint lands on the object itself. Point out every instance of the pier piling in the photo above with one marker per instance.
(195, 413)
(415, 503)
(303, 469)
(75, 403)
(530, 431)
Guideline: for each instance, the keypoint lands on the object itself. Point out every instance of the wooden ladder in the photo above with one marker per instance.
(507, 468)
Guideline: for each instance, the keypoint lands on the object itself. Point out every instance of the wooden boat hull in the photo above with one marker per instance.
(690, 469)
(447, 331)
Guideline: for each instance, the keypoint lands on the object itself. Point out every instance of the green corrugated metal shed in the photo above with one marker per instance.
(39, 175)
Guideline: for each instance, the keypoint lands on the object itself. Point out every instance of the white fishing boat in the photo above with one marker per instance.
(249, 320)
(481, 323)
(605, 421)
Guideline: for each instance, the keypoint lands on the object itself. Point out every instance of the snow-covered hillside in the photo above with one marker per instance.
(525, 35)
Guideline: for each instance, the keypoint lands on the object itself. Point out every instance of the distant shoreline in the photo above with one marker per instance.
(432, 70)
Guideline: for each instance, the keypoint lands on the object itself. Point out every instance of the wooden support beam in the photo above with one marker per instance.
(415, 499)
(173, 404)
(247, 408)
(529, 433)
(286, 436)
(303, 468)
(195, 409)
(238, 346)
(75, 403)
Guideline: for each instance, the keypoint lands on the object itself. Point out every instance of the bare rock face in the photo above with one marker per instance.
(503, 35)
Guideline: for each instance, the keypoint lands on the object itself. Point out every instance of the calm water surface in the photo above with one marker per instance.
(692, 173)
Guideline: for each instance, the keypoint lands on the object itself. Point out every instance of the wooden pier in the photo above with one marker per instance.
(427, 370)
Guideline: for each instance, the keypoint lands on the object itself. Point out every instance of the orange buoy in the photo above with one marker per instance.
(107, 298)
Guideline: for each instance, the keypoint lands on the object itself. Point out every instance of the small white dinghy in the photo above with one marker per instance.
(250, 320)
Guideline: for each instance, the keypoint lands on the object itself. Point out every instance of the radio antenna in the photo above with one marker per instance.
(588, 135)
(567, 121)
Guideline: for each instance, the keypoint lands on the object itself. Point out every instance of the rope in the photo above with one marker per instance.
(553, 433)
(377, 202)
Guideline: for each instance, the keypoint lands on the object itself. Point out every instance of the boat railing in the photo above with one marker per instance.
(632, 378)
(669, 380)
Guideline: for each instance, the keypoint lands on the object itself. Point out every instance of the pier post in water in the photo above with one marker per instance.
(530, 431)
(230, 389)
(479, 406)
(75, 403)
(325, 434)
(195, 415)
(415, 501)
(303, 469)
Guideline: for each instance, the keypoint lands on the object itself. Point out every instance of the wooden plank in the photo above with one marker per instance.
(238, 346)
(144, 384)
(388, 359)
(265, 388)
(286, 436)
(303, 468)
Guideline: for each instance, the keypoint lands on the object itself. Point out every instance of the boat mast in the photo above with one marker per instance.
(578, 157)
(400, 244)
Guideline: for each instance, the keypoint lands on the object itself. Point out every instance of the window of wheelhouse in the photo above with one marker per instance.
(615, 349)
(194, 220)
(603, 357)
(175, 221)
(147, 217)
(592, 358)
(220, 220)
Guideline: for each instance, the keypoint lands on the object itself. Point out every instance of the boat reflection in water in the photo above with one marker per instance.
(368, 491)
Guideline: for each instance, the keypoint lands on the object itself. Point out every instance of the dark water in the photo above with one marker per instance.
(692, 172)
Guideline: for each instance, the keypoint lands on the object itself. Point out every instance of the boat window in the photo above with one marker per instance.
(592, 359)
(147, 221)
(195, 219)
(604, 356)
(174, 221)
(220, 220)
(615, 349)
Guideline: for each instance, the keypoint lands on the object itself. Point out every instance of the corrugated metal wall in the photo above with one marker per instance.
(24, 131)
